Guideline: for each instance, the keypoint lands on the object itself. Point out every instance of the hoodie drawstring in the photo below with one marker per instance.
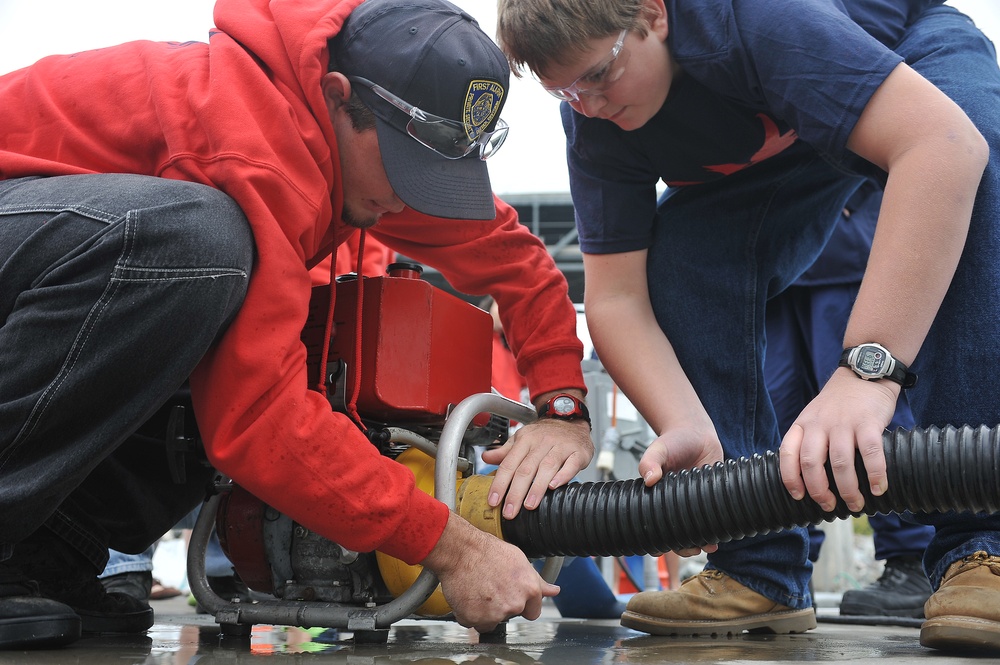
(352, 405)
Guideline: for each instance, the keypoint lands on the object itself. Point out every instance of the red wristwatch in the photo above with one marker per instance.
(565, 407)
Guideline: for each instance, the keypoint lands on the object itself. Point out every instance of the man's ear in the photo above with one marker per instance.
(336, 90)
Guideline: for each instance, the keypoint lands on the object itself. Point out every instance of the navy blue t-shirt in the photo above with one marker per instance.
(756, 76)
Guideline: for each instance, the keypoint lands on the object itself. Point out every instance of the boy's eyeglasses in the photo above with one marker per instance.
(598, 79)
(448, 138)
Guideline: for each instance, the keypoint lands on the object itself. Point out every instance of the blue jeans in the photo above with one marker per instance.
(805, 329)
(722, 249)
(112, 287)
(120, 562)
(893, 536)
(217, 564)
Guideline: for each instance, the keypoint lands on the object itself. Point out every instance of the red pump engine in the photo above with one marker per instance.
(421, 352)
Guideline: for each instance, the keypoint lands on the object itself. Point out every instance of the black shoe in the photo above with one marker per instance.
(137, 583)
(28, 621)
(901, 591)
(65, 575)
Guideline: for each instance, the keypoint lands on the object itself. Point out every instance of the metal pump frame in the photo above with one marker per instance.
(237, 617)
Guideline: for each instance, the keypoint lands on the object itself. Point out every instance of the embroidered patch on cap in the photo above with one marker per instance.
(482, 103)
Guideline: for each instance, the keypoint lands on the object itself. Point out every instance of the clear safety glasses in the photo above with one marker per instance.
(448, 138)
(598, 79)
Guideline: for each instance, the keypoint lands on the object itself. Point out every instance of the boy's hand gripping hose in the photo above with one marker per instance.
(950, 469)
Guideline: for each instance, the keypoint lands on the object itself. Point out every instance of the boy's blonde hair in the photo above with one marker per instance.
(534, 34)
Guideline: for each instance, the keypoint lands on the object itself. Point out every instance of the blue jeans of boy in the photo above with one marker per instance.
(804, 328)
(112, 287)
(723, 248)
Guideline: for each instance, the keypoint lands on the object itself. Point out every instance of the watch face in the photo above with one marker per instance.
(563, 405)
(871, 360)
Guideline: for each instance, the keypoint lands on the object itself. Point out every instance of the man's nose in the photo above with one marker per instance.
(395, 204)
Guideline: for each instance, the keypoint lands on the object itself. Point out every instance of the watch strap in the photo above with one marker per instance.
(580, 412)
(899, 373)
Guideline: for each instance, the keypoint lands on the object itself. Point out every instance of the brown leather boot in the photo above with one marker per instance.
(712, 603)
(964, 613)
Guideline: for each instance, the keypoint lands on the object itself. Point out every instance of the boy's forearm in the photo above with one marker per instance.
(646, 369)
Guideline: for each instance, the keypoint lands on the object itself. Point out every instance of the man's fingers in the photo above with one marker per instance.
(532, 608)
(569, 470)
(504, 475)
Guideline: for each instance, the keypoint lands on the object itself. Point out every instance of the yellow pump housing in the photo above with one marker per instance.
(470, 503)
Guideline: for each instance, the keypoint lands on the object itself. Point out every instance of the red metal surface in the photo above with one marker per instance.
(240, 526)
(422, 349)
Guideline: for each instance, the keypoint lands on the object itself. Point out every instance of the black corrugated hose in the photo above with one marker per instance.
(929, 470)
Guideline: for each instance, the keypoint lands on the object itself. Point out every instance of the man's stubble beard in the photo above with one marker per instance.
(357, 221)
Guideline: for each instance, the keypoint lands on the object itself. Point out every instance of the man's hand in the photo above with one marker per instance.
(849, 414)
(482, 598)
(540, 456)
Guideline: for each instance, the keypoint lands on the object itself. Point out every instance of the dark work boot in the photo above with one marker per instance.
(135, 583)
(28, 621)
(65, 575)
(901, 591)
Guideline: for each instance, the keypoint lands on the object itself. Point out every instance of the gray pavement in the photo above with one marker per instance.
(182, 637)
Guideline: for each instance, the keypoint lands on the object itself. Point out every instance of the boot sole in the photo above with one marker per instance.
(39, 632)
(133, 622)
(959, 633)
(861, 610)
(892, 605)
(777, 623)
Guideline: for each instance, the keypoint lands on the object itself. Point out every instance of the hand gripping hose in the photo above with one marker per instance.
(933, 469)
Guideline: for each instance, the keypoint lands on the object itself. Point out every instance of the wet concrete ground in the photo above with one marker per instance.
(182, 637)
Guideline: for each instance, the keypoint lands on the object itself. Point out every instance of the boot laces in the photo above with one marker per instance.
(982, 558)
(895, 574)
(14, 583)
(707, 576)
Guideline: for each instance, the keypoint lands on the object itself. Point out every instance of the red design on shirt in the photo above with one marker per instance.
(774, 143)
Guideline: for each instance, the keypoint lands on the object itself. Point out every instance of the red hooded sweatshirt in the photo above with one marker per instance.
(245, 114)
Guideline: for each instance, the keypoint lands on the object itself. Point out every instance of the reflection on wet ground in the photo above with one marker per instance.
(181, 637)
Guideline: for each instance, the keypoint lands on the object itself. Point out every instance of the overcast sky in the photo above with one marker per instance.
(532, 160)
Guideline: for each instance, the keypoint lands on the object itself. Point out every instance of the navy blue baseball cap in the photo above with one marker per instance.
(436, 84)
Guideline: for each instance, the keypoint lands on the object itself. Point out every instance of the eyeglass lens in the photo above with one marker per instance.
(446, 137)
(599, 78)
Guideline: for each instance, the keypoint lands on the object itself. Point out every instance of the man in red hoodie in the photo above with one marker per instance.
(161, 205)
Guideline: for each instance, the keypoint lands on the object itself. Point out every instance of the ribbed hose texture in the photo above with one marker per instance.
(932, 469)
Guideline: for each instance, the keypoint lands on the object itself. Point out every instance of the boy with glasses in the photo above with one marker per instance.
(161, 205)
(762, 117)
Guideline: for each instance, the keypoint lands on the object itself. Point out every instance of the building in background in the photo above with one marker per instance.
(529, 173)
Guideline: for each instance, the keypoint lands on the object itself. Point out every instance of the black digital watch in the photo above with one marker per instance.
(873, 361)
